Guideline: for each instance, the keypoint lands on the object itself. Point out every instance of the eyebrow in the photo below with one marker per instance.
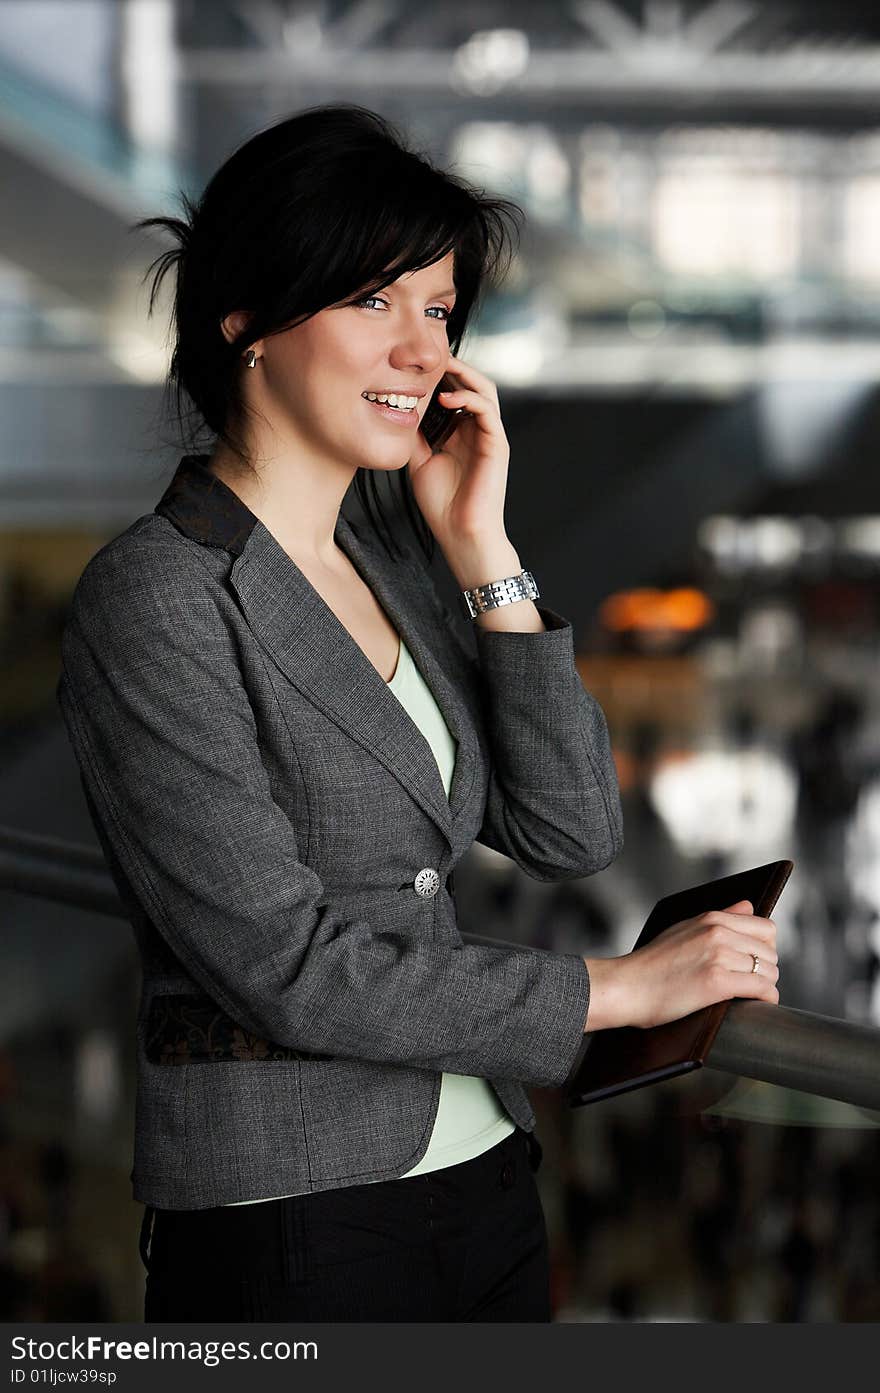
(449, 290)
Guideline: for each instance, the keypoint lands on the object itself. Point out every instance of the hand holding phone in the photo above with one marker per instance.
(458, 467)
(439, 422)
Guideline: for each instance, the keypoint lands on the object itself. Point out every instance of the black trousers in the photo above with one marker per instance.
(466, 1243)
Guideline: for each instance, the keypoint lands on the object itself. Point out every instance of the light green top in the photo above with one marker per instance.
(470, 1116)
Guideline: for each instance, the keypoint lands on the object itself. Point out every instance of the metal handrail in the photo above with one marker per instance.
(776, 1044)
(800, 1049)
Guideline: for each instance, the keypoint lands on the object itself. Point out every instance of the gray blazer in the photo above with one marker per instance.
(278, 831)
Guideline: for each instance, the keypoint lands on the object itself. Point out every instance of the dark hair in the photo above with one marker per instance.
(318, 209)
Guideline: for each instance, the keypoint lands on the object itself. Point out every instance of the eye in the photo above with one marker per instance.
(443, 313)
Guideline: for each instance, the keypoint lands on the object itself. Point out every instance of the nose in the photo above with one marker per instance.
(419, 345)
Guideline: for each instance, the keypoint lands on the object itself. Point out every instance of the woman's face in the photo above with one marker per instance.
(316, 374)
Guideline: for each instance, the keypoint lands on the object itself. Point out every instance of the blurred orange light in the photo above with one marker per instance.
(646, 610)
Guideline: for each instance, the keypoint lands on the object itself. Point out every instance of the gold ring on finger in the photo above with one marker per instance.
(755, 962)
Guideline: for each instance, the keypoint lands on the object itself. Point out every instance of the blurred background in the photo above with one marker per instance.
(687, 351)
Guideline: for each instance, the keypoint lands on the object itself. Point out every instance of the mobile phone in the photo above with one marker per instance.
(439, 422)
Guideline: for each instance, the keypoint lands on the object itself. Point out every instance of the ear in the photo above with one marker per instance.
(235, 324)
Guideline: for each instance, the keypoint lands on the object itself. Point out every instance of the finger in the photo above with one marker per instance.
(745, 962)
(755, 927)
(741, 907)
(739, 955)
(753, 924)
(463, 396)
(752, 984)
(467, 373)
(748, 944)
(472, 402)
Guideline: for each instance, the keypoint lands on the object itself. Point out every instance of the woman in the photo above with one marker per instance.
(286, 745)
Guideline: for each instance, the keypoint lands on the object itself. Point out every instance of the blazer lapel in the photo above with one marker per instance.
(321, 658)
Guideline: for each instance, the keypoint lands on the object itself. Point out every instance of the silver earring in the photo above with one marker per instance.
(250, 358)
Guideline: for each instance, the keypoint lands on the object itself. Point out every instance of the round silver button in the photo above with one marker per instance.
(427, 882)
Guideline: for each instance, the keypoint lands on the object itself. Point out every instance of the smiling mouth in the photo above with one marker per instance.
(397, 401)
(400, 415)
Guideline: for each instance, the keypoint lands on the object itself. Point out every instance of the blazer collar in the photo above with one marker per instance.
(316, 652)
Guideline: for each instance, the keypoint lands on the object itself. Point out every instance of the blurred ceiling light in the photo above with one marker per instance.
(601, 138)
(303, 33)
(744, 544)
(801, 419)
(646, 319)
(487, 149)
(860, 537)
(683, 610)
(861, 218)
(714, 221)
(719, 536)
(547, 169)
(140, 358)
(776, 542)
(768, 635)
(817, 536)
(490, 60)
(149, 71)
(518, 334)
(720, 149)
(726, 801)
(600, 150)
(862, 868)
(515, 356)
(599, 196)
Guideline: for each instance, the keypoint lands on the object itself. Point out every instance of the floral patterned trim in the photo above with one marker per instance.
(189, 1029)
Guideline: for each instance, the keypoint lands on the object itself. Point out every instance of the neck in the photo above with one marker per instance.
(295, 498)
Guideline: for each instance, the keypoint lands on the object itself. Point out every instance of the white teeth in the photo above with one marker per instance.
(392, 399)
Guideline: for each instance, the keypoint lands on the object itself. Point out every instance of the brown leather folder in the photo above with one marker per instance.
(625, 1057)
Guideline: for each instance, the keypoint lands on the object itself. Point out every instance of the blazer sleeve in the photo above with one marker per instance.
(152, 696)
(553, 801)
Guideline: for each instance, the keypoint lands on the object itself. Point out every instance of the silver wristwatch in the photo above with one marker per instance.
(500, 592)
